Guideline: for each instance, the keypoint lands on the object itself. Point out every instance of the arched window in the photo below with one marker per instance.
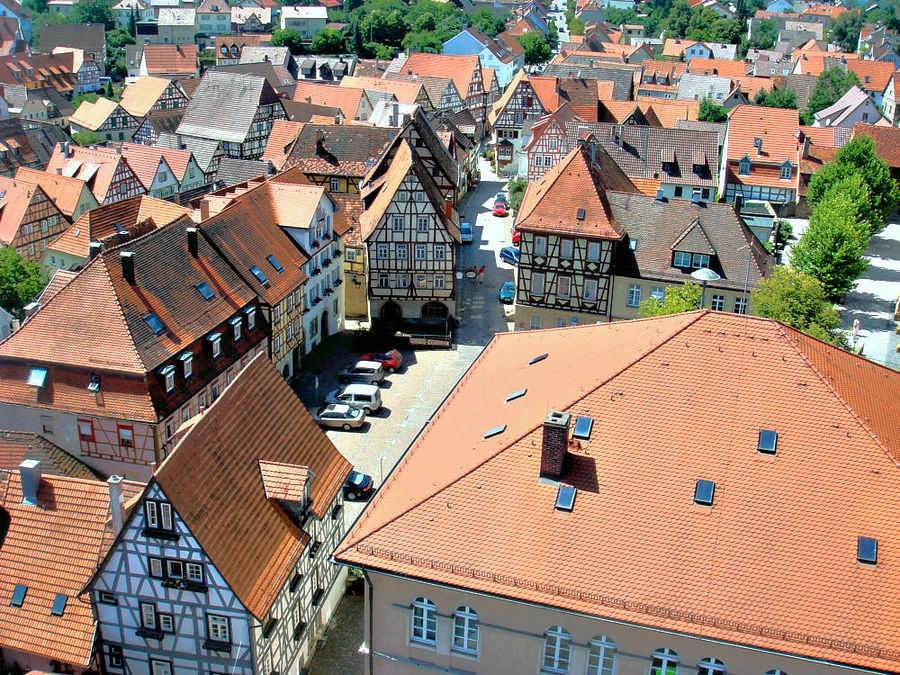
(465, 630)
(665, 662)
(557, 647)
(711, 667)
(424, 621)
(602, 656)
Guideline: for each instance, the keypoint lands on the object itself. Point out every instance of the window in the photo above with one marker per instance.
(158, 514)
(350, 252)
(424, 621)
(107, 598)
(535, 322)
(700, 260)
(557, 645)
(658, 292)
(383, 280)
(235, 327)
(276, 346)
(786, 171)
(590, 290)
(593, 251)
(276, 314)
(86, 430)
(402, 281)
(381, 251)
(273, 261)
(126, 436)
(421, 252)
(744, 167)
(166, 622)
(186, 359)
(679, 191)
(465, 630)
(113, 656)
(552, 144)
(397, 223)
(215, 343)
(421, 223)
(158, 667)
(217, 628)
(537, 283)
(440, 252)
(665, 662)
(439, 281)
(711, 667)
(564, 286)
(561, 322)
(634, 295)
(402, 251)
(148, 615)
(602, 656)
(566, 248)
(335, 184)
(540, 245)
(420, 281)
(682, 259)
(740, 305)
(718, 303)
(251, 317)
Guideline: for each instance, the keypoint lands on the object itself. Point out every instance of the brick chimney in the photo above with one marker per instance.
(94, 249)
(555, 443)
(127, 258)
(448, 207)
(193, 241)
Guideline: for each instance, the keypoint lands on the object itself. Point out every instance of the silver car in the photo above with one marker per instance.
(364, 372)
(366, 397)
(339, 416)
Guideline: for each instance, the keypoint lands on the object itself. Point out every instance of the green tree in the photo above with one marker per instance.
(677, 299)
(576, 26)
(384, 27)
(35, 6)
(94, 11)
(328, 41)
(552, 34)
(516, 190)
(859, 157)
(845, 28)
(20, 281)
(537, 49)
(763, 34)
(798, 300)
(832, 247)
(776, 98)
(290, 38)
(132, 23)
(85, 138)
(618, 16)
(710, 112)
(487, 23)
(678, 19)
(423, 41)
(830, 86)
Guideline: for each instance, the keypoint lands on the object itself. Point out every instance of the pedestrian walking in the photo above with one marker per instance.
(481, 275)
(855, 330)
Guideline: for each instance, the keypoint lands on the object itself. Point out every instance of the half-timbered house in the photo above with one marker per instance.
(569, 237)
(71, 196)
(183, 590)
(109, 120)
(168, 326)
(157, 124)
(152, 94)
(235, 109)
(410, 230)
(356, 288)
(548, 142)
(105, 171)
(29, 220)
(441, 90)
(521, 102)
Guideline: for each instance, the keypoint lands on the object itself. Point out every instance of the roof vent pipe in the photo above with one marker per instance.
(94, 249)
(115, 502)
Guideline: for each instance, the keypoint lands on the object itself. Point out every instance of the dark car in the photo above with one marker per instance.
(391, 360)
(501, 199)
(507, 292)
(509, 254)
(358, 486)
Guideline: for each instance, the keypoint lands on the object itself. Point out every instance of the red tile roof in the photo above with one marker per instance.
(721, 67)
(17, 197)
(283, 133)
(460, 69)
(16, 446)
(635, 548)
(347, 99)
(832, 11)
(65, 192)
(171, 59)
(887, 141)
(777, 127)
(95, 165)
(144, 160)
(873, 75)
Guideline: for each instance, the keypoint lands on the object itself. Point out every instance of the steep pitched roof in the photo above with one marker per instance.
(845, 106)
(94, 165)
(17, 196)
(171, 59)
(571, 197)
(347, 99)
(257, 418)
(93, 115)
(444, 517)
(338, 150)
(223, 106)
(144, 160)
(459, 68)
(777, 127)
(16, 446)
(887, 141)
(65, 192)
(89, 37)
(140, 96)
(404, 91)
(283, 134)
(722, 67)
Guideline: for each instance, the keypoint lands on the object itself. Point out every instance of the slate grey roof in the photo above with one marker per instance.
(301, 111)
(203, 149)
(277, 76)
(224, 104)
(43, 137)
(164, 121)
(657, 225)
(696, 87)
(233, 171)
(622, 78)
(801, 85)
(86, 36)
(697, 125)
(639, 150)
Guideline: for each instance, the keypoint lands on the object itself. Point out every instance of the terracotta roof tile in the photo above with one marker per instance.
(283, 134)
(404, 91)
(458, 68)
(445, 517)
(93, 115)
(338, 149)
(721, 67)
(17, 196)
(16, 446)
(284, 481)
(777, 127)
(258, 418)
(347, 99)
(144, 160)
(887, 141)
(94, 165)
(171, 59)
(873, 75)
(65, 192)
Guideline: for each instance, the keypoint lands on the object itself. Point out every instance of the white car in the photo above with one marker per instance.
(339, 416)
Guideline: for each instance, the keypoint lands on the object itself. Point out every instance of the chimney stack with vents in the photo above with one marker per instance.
(555, 443)
(115, 502)
(448, 206)
(30, 477)
(127, 258)
(193, 241)
(94, 249)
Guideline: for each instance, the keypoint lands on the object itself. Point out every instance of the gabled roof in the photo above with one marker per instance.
(571, 197)
(723, 67)
(94, 165)
(163, 121)
(772, 584)
(171, 59)
(404, 91)
(777, 127)
(40, 70)
(873, 75)
(16, 197)
(887, 141)
(89, 37)
(117, 338)
(64, 192)
(459, 68)
(622, 75)
(844, 107)
(144, 158)
(51, 548)
(347, 99)
(338, 149)
(258, 418)
(140, 96)
(16, 446)
(283, 133)
(93, 115)
(223, 106)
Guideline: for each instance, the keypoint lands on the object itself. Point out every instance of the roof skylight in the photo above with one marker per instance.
(205, 291)
(260, 277)
(37, 377)
(496, 430)
(155, 324)
(580, 214)
(274, 261)
(583, 427)
(59, 605)
(516, 394)
(18, 596)
(867, 550)
(94, 385)
(704, 492)
(538, 359)
(565, 497)
(768, 440)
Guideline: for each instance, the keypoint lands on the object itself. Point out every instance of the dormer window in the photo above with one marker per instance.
(250, 313)
(186, 359)
(158, 515)
(787, 170)
(682, 259)
(699, 169)
(667, 167)
(744, 167)
(215, 343)
(235, 323)
(168, 375)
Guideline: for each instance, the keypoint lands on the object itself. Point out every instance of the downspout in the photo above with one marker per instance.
(369, 594)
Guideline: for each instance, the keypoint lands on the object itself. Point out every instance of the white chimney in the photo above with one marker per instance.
(30, 478)
(115, 502)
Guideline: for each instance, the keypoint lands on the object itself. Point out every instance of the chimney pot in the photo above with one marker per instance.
(30, 478)
(193, 241)
(59, 171)
(94, 249)
(127, 258)
(448, 206)
(555, 443)
(115, 502)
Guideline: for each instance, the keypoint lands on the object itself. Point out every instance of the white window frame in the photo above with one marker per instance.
(664, 662)
(186, 358)
(601, 656)
(591, 248)
(402, 252)
(440, 252)
(335, 185)
(160, 667)
(557, 650)
(438, 281)
(397, 223)
(403, 280)
(251, 317)
(658, 292)
(194, 571)
(166, 622)
(535, 322)
(740, 305)
(634, 295)
(466, 633)
(538, 283)
(423, 622)
(420, 280)
(218, 628)
(540, 245)
(711, 666)
(382, 251)
(681, 259)
(148, 615)
(566, 248)
(591, 288)
(421, 223)
(384, 280)
(421, 252)
(350, 254)
(744, 167)
(699, 260)
(215, 343)
(717, 303)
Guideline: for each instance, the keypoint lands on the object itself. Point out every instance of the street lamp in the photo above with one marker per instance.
(704, 274)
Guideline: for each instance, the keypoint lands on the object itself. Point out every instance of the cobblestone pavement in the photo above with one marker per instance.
(412, 395)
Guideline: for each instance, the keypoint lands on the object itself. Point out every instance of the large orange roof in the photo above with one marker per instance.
(347, 99)
(65, 192)
(459, 68)
(405, 91)
(138, 98)
(777, 127)
(873, 75)
(283, 133)
(144, 160)
(772, 564)
(94, 165)
(15, 197)
(171, 59)
(722, 67)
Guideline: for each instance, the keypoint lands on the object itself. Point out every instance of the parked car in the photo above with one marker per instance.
(391, 360)
(516, 237)
(358, 486)
(509, 254)
(466, 235)
(499, 209)
(365, 397)
(339, 416)
(364, 372)
(507, 292)
(501, 199)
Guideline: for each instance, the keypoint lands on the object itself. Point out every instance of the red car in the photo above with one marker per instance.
(499, 209)
(516, 237)
(391, 360)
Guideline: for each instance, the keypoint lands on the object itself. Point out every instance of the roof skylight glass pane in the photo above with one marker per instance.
(867, 550)
(274, 261)
(37, 377)
(583, 426)
(703, 493)
(516, 394)
(565, 497)
(768, 440)
(18, 596)
(155, 324)
(538, 359)
(59, 604)
(495, 431)
(260, 277)
(205, 291)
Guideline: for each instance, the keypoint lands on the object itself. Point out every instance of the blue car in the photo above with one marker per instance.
(507, 292)
(509, 254)
(465, 233)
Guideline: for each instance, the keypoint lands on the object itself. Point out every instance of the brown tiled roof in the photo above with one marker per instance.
(773, 583)
(405, 91)
(338, 149)
(778, 128)
(139, 97)
(65, 192)
(171, 59)
(553, 203)
(887, 141)
(346, 219)
(16, 446)
(721, 67)
(39, 70)
(59, 279)
(247, 536)
(283, 133)
(434, 86)
(284, 481)
(51, 548)
(17, 196)
(144, 160)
